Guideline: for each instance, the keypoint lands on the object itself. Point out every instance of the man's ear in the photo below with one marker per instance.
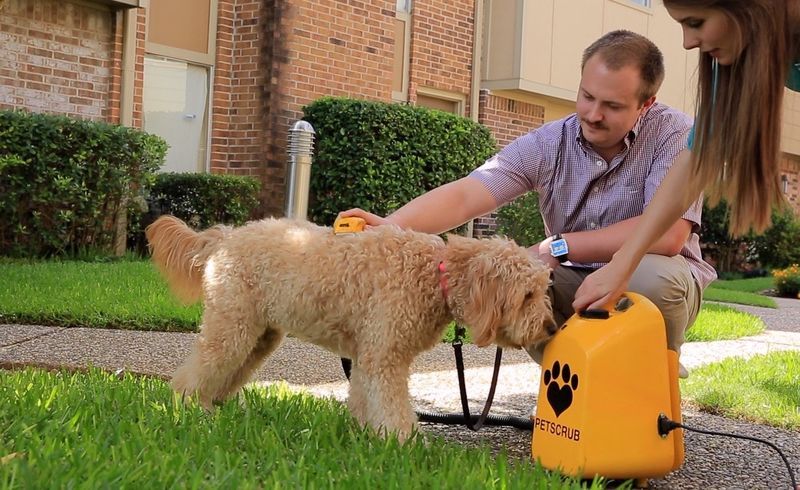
(648, 103)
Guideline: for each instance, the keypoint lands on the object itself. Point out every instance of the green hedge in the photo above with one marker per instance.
(202, 200)
(379, 156)
(63, 182)
(521, 220)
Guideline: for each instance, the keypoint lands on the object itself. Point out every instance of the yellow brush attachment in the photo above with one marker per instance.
(605, 381)
(348, 225)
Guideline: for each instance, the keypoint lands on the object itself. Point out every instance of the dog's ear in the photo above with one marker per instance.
(483, 312)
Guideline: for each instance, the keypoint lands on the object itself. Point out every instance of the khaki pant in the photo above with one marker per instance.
(666, 281)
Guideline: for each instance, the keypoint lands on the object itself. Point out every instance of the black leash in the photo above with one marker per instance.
(457, 343)
(473, 422)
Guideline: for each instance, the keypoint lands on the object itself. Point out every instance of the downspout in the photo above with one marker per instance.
(475, 89)
(126, 89)
(128, 59)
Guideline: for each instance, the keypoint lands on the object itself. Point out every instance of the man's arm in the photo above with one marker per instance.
(438, 210)
(601, 245)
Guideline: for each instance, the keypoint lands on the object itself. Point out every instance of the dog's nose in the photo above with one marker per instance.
(552, 328)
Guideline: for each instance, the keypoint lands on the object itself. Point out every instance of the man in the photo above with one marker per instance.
(595, 171)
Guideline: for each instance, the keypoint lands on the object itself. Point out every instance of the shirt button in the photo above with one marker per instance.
(599, 163)
(595, 189)
(593, 225)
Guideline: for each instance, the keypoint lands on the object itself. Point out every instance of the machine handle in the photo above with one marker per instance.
(595, 313)
(603, 313)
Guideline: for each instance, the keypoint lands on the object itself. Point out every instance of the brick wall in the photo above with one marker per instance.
(57, 57)
(508, 119)
(318, 48)
(441, 46)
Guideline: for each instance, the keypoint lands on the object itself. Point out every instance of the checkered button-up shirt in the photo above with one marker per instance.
(580, 191)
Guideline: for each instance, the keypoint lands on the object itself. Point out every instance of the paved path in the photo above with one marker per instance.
(710, 462)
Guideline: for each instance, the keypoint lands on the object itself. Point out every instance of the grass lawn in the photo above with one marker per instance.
(753, 285)
(719, 322)
(741, 291)
(761, 389)
(130, 294)
(738, 297)
(93, 430)
(122, 294)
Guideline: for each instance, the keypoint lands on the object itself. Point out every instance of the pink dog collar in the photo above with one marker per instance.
(443, 279)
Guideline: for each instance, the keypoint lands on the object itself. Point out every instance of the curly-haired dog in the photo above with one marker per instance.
(379, 297)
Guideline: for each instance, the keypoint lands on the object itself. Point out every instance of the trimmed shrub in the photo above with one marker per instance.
(379, 156)
(63, 182)
(202, 200)
(778, 246)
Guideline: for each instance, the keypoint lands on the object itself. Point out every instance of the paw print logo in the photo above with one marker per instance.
(560, 396)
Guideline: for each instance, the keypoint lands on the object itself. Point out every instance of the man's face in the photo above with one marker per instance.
(608, 104)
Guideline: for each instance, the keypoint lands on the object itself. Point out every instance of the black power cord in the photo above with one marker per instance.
(665, 426)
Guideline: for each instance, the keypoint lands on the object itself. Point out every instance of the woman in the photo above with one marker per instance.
(748, 51)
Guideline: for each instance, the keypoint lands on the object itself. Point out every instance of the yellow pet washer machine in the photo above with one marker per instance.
(607, 380)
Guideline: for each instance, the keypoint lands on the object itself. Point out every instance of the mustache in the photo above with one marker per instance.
(594, 125)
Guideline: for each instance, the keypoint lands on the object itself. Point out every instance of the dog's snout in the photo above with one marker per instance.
(552, 328)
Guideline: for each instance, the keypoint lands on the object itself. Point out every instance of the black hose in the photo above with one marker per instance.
(458, 419)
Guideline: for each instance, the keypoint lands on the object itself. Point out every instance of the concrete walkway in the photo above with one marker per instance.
(710, 462)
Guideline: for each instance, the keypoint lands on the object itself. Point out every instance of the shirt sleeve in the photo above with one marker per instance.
(515, 170)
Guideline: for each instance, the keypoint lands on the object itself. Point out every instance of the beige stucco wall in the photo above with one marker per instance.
(790, 137)
(536, 46)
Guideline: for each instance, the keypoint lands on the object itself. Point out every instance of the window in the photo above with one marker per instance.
(402, 45)
(643, 3)
(441, 99)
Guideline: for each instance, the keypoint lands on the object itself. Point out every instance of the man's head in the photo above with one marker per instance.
(620, 75)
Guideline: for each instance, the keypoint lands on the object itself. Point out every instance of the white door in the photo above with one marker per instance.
(175, 103)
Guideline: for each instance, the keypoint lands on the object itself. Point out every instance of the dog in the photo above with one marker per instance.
(379, 297)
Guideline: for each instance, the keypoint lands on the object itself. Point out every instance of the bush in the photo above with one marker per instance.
(521, 220)
(787, 281)
(202, 200)
(778, 246)
(379, 156)
(63, 182)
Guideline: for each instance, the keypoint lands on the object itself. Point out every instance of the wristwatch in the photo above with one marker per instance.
(559, 248)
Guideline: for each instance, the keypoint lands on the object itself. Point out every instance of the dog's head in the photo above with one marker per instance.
(499, 291)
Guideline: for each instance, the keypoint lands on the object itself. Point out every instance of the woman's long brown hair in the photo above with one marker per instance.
(736, 151)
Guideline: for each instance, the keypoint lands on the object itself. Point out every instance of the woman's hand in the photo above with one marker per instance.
(371, 219)
(602, 288)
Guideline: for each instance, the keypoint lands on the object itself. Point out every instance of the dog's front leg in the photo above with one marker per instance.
(388, 399)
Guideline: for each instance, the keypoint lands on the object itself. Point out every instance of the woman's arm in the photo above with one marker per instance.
(603, 287)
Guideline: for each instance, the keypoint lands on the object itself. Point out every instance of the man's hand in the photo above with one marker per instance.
(371, 219)
(541, 251)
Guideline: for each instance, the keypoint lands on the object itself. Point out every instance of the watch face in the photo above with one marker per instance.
(559, 248)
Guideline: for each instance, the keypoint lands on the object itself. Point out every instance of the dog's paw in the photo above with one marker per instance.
(560, 396)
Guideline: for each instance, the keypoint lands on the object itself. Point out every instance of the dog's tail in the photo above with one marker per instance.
(180, 254)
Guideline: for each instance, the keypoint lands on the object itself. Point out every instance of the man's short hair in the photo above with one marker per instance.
(622, 48)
